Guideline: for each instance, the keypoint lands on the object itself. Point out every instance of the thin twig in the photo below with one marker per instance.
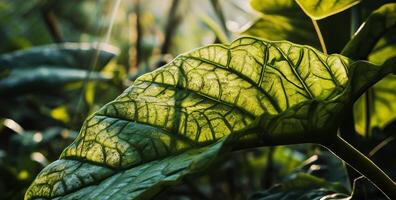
(368, 106)
(269, 170)
(171, 25)
(139, 33)
(320, 36)
(219, 12)
(381, 145)
(94, 61)
(52, 25)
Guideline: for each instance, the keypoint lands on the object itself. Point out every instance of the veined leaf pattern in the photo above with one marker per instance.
(275, 91)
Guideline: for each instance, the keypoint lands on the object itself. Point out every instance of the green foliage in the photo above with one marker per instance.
(282, 20)
(319, 9)
(303, 186)
(250, 91)
(379, 46)
(285, 20)
(46, 67)
(174, 132)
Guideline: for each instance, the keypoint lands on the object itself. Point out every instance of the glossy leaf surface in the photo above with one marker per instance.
(250, 91)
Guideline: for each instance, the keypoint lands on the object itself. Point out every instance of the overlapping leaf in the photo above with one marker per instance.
(319, 9)
(285, 20)
(303, 186)
(282, 20)
(175, 120)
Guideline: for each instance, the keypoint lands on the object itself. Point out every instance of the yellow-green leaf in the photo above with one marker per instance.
(176, 119)
(319, 9)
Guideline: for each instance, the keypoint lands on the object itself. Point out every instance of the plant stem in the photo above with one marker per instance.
(171, 26)
(52, 25)
(219, 12)
(269, 170)
(320, 36)
(368, 107)
(363, 165)
(139, 33)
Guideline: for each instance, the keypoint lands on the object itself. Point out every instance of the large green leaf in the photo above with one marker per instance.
(250, 92)
(319, 9)
(282, 20)
(376, 42)
(303, 186)
(50, 66)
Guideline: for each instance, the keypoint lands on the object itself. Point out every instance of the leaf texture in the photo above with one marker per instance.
(182, 114)
(319, 9)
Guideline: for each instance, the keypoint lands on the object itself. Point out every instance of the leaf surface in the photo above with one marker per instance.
(251, 91)
(319, 9)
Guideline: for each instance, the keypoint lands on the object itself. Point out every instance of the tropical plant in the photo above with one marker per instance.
(177, 119)
(257, 91)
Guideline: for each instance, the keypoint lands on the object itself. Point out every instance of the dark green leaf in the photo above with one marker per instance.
(303, 186)
(250, 92)
(70, 55)
(51, 66)
(327, 166)
(376, 42)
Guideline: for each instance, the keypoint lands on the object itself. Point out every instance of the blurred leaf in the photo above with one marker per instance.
(382, 105)
(303, 186)
(53, 66)
(217, 30)
(70, 55)
(326, 166)
(282, 20)
(319, 9)
(60, 113)
(43, 79)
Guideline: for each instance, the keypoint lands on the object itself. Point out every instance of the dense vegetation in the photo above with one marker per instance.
(285, 100)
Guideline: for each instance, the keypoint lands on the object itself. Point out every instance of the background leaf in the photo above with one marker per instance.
(319, 9)
(376, 42)
(282, 20)
(303, 186)
(51, 66)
